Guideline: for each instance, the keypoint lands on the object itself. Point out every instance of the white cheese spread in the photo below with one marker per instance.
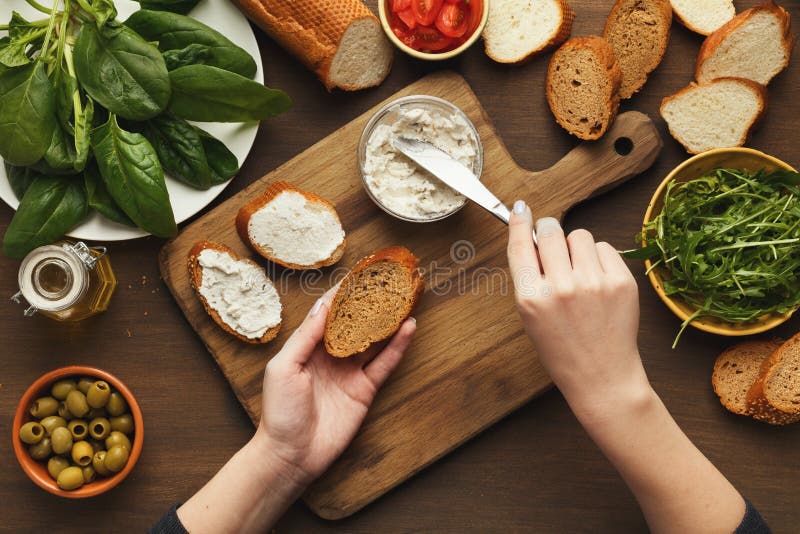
(397, 182)
(296, 230)
(240, 292)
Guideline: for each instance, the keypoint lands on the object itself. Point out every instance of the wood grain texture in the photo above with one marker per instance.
(461, 373)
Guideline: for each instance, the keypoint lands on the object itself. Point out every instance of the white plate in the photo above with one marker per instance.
(238, 137)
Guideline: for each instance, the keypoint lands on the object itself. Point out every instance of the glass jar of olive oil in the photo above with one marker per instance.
(66, 281)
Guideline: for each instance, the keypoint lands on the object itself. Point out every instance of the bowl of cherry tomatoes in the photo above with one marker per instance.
(433, 29)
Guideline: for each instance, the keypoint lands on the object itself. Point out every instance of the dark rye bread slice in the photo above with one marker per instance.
(775, 397)
(638, 31)
(373, 301)
(196, 280)
(583, 83)
(737, 369)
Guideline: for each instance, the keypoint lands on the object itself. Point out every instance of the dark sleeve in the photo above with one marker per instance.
(170, 524)
(752, 523)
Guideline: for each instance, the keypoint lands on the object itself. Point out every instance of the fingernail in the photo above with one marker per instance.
(413, 319)
(547, 226)
(519, 207)
(315, 308)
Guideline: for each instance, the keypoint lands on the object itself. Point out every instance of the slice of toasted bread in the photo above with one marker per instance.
(373, 301)
(756, 44)
(703, 16)
(292, 227)
(252, 312)
(775, 396)
(719, 114)
(583, 83)
(638, 31)
(737, 369)
(518, 30)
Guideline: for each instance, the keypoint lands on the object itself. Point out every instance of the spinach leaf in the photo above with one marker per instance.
(74, 116)
(194, 54)
(177, 32)
(122, 72)
(51, 207)
(3, 44)
(174, 6)
(21, 35)
(99, 197)
(208, 94)
(222, 161)
(60, 155)
(132, 173)
(179, 149)
(20, 178)
(27, 116)
(103, 11)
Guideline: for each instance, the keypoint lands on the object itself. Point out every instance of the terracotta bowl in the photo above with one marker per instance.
(37, 471)
(695, 167)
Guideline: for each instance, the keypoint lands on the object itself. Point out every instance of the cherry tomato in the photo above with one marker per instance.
(452, 20)
(400, 5)
(475, 15)
(429, 39)
(426, 11)
(408, 18)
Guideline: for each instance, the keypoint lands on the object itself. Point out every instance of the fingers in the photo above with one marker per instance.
(522, 256)
(379, 369)
(553, 250)
(611, 261)
(583, 253)
(301, 343)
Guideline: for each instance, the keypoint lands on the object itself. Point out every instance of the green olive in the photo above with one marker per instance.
(79, 429)
(44, 407)
(123, 423)
(99, 428)
(118, 438)
(85, 383)
(55, 465)
(98, 394)
(42, 450)
(116, 458)
(62, 387)
(70, 478)
(62, 440)
(63, 411)
(98, 462)
(89, 474)
(31, 433)
(94, 413)
(76, 402)
(52, 422)
(82, 453)
(116, 405)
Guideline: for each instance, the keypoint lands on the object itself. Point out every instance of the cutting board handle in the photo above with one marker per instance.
(629, 148)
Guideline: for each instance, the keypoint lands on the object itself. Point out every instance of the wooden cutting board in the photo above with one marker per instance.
(470, 363)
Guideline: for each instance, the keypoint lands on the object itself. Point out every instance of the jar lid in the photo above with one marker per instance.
(53, 277)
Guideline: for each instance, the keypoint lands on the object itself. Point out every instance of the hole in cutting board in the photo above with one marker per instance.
(623, 146)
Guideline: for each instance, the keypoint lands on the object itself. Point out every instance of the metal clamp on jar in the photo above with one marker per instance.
(66, 281)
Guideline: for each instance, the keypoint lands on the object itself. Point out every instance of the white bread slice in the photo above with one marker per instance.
(775, 397)
(737, 369)
(340, 40)
(756, 44)
(518, 30)
(718, 114)
(638, 31)
(292, 227)
(703, 16)
(583, 82)
(236, 293)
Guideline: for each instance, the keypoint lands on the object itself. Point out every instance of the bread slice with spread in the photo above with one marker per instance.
(373, 300)
(737, 369)
(292, 227)
(236, 292)
(518, 30)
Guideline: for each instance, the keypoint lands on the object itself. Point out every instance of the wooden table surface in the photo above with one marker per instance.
(534, 471)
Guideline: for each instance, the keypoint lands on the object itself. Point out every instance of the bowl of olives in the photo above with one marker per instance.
(78, 432)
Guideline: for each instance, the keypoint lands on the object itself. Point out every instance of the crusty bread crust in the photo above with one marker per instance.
(196, 280)
(311, 30)
(754, 123)
(561, 35)
(683, 20)
(759, 405)
(397, 254)
(269, 194)
(764, 348)
(713, 41)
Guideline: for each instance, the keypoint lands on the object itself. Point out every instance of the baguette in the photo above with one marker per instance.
(775, 397)
(340, 40)
(518, 30)
(373, 301)
(737, 369)
(703, 16)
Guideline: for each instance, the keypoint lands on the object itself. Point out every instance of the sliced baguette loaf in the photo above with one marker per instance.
(235, 292)
(737, 369)
(583, 82)
(719, 114)
(775, 397)
(340, 40)
(638, 31)
(373, 301)
(518, 30)
(756, 44)
(292, 227)
(703, 16)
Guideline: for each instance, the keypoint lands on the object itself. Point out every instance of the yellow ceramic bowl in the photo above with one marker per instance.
(733, 158)
(431, 56)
